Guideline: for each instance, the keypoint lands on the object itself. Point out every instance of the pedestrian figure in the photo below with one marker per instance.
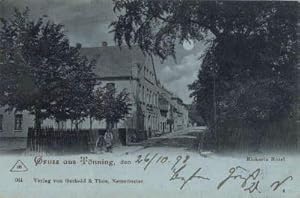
(99, 144)
(108, 138)
(149, 132)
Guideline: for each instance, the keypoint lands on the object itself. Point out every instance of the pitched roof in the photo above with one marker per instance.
(113, 61)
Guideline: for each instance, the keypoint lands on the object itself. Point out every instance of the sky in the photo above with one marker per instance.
(87, 21)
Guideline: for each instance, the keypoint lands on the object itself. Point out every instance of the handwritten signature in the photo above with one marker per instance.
(245, 178)
(249, 181)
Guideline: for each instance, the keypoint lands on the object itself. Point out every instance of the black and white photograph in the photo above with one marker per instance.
(149, 98)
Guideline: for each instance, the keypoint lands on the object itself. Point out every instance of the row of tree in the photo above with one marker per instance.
(248, 80)
(42, 73)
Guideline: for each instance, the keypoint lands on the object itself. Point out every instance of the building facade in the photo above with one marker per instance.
(14, 124)
(174, 114)
(131, 70)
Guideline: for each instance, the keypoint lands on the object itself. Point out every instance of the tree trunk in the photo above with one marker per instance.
(76, 125)
(109, 124)
(214, 129)
(57, 122)
(91, 123)
(37, 120)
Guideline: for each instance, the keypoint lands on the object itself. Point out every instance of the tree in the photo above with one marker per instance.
(110, 105)
(256, 81)
(40, 71)
(78, 89)
(248, 76)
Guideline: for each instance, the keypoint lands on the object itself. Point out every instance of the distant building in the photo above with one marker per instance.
(166, 108)
(181, 114)
(174, 114)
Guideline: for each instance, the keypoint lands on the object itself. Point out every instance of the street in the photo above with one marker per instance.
(182, 138)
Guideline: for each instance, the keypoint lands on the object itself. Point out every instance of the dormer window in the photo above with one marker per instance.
(110, 85)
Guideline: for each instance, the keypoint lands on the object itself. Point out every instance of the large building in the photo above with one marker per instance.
(130, 69)
(154, 109)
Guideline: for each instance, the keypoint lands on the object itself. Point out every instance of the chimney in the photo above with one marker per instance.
(78, 45)
(104, 44)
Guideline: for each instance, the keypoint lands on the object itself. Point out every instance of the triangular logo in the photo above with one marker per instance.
(19, 167)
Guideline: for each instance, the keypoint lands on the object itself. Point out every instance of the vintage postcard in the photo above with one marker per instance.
(149, 98)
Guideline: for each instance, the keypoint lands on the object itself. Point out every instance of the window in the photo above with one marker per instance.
(143, 94)
(152, 95)
(18, 122)
(140, 93)
(147, 95)
(110, 85)
(153, 99)
(1, 122)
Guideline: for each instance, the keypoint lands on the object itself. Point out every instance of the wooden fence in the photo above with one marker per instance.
(58, 140)
(72, 141)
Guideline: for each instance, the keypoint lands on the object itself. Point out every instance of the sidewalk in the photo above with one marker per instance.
(12, 143)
